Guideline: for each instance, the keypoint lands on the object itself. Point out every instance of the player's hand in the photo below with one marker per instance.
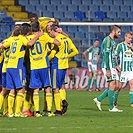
(118, 69)
(108, 73)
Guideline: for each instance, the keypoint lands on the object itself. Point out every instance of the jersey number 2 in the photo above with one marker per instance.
(38, 49)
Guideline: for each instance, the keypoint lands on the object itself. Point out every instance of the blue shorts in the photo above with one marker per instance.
(40, 78)
(57, 77)
(4, 80)
(14, 78)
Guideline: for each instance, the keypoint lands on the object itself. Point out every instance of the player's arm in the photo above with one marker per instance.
(32, 41)
(107, 51)
(98, 57)
(117, 52)
(74, 51)
(85, 56)
(5, 43)
(56, 42)
(53, 52)
(85, 52)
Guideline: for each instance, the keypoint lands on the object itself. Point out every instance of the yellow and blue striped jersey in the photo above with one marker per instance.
(17, 51)
(60, 60)
(38, 52)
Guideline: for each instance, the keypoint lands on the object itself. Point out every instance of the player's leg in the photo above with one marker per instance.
(11, 99)
(19, 102)
(59, 75)
(130, 78)
(57, 100)
(63, 99)
(36, 102)
(90, 77)
(10, 86)
(62, 90)
(131, 92)
(89, 82)
(103, 95)
(94, 68)
(48, 101)
(112, 87)
(35, 84)
(3, 100)
(116, 94)
(46, 83)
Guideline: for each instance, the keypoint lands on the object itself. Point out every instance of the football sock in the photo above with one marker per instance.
(49, 101)
(11, 98)
(103, 95)
(131, 97)
(19, 101)
(64, 91)
(116, 96)
(6, 104)
(95, 83)
(36, 101)
(1, 100)
(57, 100)
(62, 94)
(89, 83)
(26, 101)
(111, 99)
(45, 103)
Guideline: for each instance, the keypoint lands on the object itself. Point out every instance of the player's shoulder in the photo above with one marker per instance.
(120, 44)
(106, 38)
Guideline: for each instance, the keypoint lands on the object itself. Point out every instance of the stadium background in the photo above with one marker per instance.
(12, 11)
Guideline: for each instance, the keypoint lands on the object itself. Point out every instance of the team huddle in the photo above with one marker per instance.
(35, 56)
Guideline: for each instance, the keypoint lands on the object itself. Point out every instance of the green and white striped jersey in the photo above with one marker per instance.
(126, 57)
(108, 49)
(93, 54)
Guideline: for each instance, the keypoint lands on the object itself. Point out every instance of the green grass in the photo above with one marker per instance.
(82, 117)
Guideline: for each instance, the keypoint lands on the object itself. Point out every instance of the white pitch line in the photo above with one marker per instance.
(39, 128)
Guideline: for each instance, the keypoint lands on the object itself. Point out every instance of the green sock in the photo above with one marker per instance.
(89, 83)
(95, 83)
(111, 99)
(116, 96)
(103, 95)
(131, 97)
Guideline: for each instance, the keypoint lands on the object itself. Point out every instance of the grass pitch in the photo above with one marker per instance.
(82, 117)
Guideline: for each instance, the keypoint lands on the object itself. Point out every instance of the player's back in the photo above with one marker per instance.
(61, 57)
(38, 52)
(17, 50)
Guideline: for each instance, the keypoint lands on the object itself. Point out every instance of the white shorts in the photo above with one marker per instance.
(126, 76)
(92, 67)
(114, 74)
